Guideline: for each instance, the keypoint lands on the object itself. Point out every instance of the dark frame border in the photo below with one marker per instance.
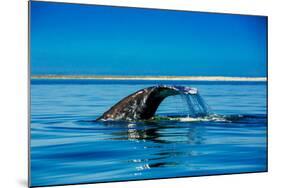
(132, 7)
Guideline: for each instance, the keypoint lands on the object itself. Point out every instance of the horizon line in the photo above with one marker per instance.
(175, 78)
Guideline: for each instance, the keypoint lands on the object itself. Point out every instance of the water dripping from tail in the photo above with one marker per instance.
(195, 104)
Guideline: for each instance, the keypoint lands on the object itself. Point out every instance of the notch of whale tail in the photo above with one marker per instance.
(143, 104)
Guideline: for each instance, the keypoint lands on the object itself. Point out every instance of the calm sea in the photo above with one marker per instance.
(69, 147)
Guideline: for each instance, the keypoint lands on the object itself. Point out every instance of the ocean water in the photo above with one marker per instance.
(69, 147)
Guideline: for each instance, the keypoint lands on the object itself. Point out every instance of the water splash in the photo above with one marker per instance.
(195, 104)
(207, 118)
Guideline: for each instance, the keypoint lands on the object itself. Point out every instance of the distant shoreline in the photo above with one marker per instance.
(172, 78)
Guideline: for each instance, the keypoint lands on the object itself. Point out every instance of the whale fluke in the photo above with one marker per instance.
(143, 104)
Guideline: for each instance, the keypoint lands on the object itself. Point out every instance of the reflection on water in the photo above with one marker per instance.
(68, 146)
(156, 134)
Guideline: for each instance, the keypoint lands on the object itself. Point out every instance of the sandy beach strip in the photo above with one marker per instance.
(175, 78)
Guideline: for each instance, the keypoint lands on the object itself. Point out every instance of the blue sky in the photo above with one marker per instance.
(100, 40)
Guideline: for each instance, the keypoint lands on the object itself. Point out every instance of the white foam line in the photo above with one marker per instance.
(172, 78)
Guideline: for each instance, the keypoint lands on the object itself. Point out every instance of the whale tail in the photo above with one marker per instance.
(143, 104)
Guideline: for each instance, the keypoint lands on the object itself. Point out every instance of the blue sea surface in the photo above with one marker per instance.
(69, 147)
